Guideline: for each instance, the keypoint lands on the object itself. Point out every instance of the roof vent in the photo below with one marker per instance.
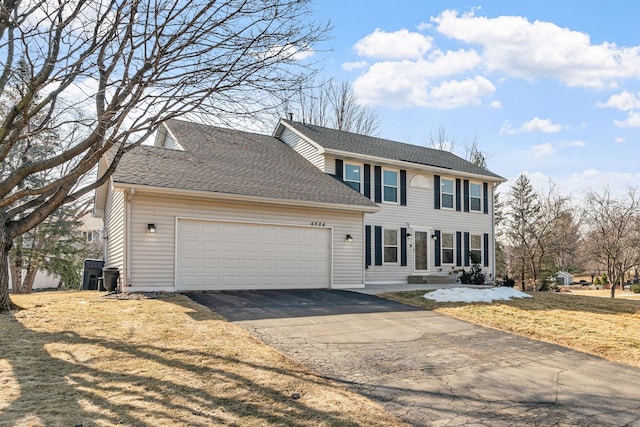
(290, 116)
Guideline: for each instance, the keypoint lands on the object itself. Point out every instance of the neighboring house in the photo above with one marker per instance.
(563, 278)
(207, 208)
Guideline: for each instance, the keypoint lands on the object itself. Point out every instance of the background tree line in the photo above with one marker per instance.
(541, 233)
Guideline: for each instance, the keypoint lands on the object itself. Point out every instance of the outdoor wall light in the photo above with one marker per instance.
(409, 236)
(349, 238)
(151, 228)
(434, 237)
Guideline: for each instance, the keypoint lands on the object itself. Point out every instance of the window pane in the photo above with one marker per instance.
(447, 201)
(354, 185)
(390, 194)
(352, 172)
(447, 186)
(390, 178)
(390, 237)
(447, 256)
(475, 204)
(476, 256)
(475, 190)
(476, 242)
(447, 240)
(391, 254)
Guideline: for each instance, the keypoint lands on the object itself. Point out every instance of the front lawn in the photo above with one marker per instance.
(78, 359)
(605, 327)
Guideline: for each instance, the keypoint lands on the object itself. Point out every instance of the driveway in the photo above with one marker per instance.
(433, 370)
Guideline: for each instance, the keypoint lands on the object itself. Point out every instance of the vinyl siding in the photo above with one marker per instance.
(420, 213)
(303, 147)
(114, 229)
(153, 255)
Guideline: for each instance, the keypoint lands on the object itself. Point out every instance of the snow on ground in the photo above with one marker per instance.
(474, 295)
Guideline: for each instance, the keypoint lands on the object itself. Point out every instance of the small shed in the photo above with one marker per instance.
(563, 278)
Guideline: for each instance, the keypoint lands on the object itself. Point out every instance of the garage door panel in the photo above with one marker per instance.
(227, 255)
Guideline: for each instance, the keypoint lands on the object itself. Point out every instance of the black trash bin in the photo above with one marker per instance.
(92, 271)
(110, 278)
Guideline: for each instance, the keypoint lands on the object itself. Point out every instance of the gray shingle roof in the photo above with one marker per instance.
(233, 162)
(386, 149)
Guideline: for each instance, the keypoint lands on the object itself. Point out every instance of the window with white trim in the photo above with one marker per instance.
(447, 193)
(390, 185)
(475, 196)
(447, 248)
(353, 176)
(390, 245)
(475, 248)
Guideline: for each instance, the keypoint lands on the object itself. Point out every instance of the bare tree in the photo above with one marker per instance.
(474, 154)
(441, 140)
(104, 74)
(613, 228)
(335, 105)
(531, 222)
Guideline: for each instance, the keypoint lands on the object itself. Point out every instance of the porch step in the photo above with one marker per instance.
(432, 280)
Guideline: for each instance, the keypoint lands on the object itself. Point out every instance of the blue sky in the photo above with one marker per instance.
(550, 88)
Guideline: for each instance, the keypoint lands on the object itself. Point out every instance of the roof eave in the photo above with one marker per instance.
(412, 165)
(211, 195)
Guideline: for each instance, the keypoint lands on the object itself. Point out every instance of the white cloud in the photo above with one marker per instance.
(454, 93)
(577, 143)
(624, 101)
(496, 104)
(632, 121)
(409, 83)
(534, 125)
(619, 139)
(542, 151)
(350, 66)
(541, 49)
(400, 44)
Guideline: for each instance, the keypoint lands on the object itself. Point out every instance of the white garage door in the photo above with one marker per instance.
(216, 255)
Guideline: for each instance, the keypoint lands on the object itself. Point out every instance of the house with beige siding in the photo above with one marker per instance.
(207, 208)
(436, 209)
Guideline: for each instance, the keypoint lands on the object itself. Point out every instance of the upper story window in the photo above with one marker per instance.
(390, 186)
(447, 193)
(390, 244)
(475, 248)
(475, 196)
(447, 248)
(353, 176)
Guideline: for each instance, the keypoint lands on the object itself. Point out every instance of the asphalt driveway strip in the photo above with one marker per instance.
(433, 370)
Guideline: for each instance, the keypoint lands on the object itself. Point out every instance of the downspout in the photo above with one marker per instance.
(126, 275)
(493, 231)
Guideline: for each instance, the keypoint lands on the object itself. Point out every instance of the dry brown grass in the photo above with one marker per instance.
(604, 327)
(74, 358)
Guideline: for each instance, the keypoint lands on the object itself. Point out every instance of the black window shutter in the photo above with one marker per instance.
(378, 245)
(486, 250)
(466, 249)
(403, 189)
(339, 169)
(403, 246)
(367, 245)
(367, 180)
(377, 177)
(436, 191)
(438, 253)
(458, 248)
(458, 195)
(485, 193)
(466, 195)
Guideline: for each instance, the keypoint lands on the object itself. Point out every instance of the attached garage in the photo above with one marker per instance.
(217, 255)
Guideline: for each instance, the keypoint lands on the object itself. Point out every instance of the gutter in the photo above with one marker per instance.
(178, 192)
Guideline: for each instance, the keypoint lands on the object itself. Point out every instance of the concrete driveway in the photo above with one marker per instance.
(433, 370)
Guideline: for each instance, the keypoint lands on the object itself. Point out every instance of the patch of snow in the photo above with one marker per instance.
(474, 295)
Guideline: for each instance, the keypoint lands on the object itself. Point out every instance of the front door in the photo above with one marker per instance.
(420, 251)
